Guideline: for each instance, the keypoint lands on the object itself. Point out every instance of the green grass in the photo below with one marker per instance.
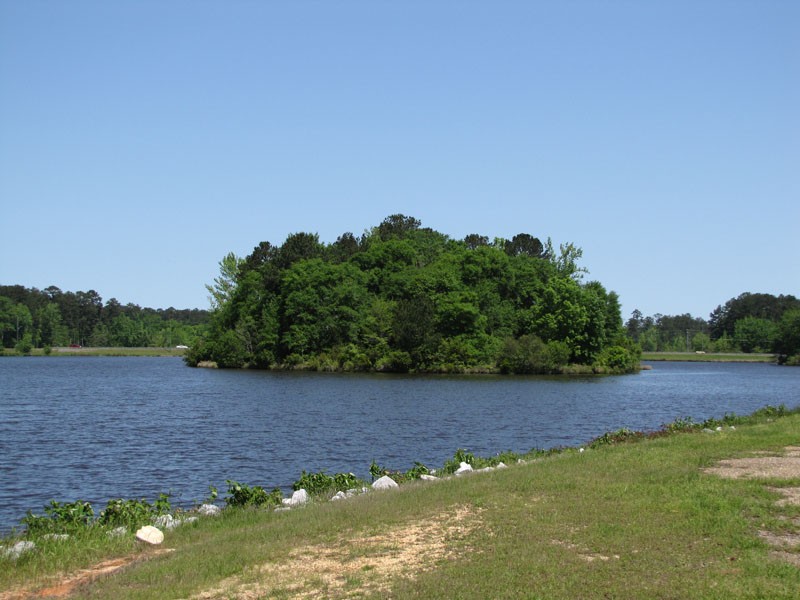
(633, 520)
(708, 357)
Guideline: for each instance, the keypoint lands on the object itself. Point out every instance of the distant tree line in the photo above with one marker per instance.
(42, 318)
(401, 298)
(748, 323)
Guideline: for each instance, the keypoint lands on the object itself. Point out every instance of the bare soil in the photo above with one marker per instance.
(356, 565)
(64, 585)
(784, 466)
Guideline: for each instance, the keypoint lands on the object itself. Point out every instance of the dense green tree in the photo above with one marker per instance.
(762, 306)
(224, 285)
(524, 244)
(405, 297)
(50, 329)
(787, 339)
(344, 248)
(474, 241)
(397, 226)
(8, 326)
(755, 335)
(297, 247)
(55, 318)
(323, 304)
(663, 333)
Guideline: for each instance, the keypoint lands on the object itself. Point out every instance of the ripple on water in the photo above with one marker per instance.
(100, 428)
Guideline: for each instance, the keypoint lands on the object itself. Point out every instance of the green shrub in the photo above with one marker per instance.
(461, 455)
(25, 345)
(618, 359)
(681, 424)
(61, 517)
(132, 514)
(395, 361)
(229, 351)
(616, 437)
(240, 494)
(530, 355)
(321, 484)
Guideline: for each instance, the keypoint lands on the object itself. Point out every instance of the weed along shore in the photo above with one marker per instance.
(694, 510)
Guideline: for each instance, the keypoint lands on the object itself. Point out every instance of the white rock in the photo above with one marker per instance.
(166, 522)
(733, 428)
(384, 483)
(118, 532)
(209, 510)
(298, 498)
(483, 470)
(188, 520)
(502, 465)
(339, 496)
(18, 549)
(719, 428)
(426, 477)
(56, 537)
(464, 468)
(150, 534)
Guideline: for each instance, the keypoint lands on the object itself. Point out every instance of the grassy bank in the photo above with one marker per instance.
(708, 357)
(105, 351)
(632, 520)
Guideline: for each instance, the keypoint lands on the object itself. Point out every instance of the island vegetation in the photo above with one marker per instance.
(404, 298)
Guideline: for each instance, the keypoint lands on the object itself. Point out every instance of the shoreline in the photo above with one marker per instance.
(731, 357)
(111, 351)
(99, 351)
(599, 543)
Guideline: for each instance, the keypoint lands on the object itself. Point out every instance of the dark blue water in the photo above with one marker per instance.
(98, 428)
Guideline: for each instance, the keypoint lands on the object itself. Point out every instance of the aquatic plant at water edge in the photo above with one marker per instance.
(616, 437)
(60, 517)
(240, 494)
(133, 513)
(320, 483)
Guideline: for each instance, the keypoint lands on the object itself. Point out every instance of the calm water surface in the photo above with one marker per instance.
(96, 428)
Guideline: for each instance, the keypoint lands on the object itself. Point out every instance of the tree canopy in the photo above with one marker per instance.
(50, 317)
(751, 322)
(402, 297)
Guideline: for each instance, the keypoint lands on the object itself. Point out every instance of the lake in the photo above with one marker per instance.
(96, 428)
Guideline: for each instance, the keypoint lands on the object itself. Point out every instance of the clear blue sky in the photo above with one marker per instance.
(142, 141)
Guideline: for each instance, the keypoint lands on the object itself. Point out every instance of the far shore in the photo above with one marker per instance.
(708, 357)
(173, 351)
(100, 351)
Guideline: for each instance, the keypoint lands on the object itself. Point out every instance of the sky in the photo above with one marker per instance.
(142, 141)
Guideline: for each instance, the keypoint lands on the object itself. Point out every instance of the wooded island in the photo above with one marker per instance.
(403, 298)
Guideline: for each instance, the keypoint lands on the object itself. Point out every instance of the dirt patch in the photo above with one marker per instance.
(354, 566)
(784, 466)
(770, 466)
(584, 554)
(791, 496)
(66, 584)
